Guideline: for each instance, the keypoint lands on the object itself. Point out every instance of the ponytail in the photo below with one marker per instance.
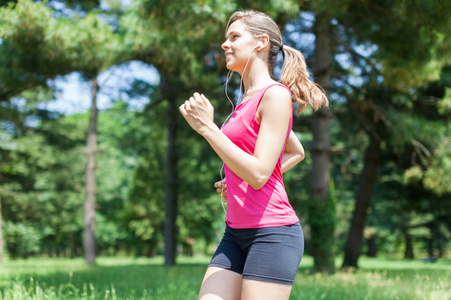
(295, 76)
(294, 73)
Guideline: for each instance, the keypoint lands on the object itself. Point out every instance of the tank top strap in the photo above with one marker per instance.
(262, 92)
(273, 84)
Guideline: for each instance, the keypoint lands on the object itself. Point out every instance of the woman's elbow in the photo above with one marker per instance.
(298, 157)
(301, 156)
(259, 182)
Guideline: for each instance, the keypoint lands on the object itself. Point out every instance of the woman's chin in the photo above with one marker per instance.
(231, 67)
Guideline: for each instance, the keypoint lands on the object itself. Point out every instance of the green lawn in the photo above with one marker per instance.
(142, 278)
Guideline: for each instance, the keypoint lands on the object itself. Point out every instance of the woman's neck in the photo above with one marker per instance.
(255, 78)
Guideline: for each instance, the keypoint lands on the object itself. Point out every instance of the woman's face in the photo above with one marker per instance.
(238, 46)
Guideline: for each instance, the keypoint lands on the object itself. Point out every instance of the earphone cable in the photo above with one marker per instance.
(229, 76)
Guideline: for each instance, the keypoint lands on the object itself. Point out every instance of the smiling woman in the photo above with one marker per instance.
(257, 145)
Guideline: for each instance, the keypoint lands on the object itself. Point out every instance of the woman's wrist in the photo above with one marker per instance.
(208, 130)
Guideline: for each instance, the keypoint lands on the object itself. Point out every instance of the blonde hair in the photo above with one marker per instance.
(294, 73)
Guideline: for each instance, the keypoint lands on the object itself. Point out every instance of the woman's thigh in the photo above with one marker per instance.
(221, 284)
(261, 290)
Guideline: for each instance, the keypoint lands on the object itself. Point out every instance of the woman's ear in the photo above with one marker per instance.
(263, 41)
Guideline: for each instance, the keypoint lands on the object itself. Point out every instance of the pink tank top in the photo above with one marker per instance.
(246, 207)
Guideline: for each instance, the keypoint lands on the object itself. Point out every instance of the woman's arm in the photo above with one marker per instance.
(294, 153)
(275, 112)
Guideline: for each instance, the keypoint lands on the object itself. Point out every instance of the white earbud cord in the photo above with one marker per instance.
(229, 76)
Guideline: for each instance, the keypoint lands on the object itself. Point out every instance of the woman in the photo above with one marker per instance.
(263, 242)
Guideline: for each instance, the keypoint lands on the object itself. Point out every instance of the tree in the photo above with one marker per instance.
(52, 46)
(23, 42)
(33, 51)
(89, 224)
(119, 214)
(397, 60)
(99, 49)
(322, 207)
(41, 186)
(351, 33)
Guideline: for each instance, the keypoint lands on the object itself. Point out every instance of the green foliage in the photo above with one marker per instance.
(85, 5)
(145, 214)
(46, 178)
(413, 175)
(412, 40)
(96, 46)
(438, 175)
(444, 104)
(7, 2)
(179, 36)
(37, 46)
(186, 36)
(28, 32)
(117, 160)
(393, 50)
(21, 239)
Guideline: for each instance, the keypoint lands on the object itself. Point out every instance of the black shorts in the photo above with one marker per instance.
(271, 254)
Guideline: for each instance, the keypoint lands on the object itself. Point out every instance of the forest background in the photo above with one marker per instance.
(136, 181)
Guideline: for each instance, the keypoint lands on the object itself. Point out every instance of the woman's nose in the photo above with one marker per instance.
(225, 45)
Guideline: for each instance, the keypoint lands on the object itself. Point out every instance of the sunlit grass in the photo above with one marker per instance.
(112, 278)
(378, 279)
(144, 278)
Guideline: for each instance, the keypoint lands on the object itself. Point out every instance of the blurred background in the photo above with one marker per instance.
(95, 159)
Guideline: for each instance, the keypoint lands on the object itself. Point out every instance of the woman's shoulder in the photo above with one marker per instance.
(276, 92)
(275, 100)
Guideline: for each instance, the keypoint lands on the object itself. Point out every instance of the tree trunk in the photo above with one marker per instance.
(322, 208)
(89, 242)
(151, 249)
(408, 251)
(170, 230)
(430, 247)
(372, 248)
(433, 228)
(362, 202)
(439, 249)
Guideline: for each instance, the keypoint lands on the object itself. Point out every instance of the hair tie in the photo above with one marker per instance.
(281, 48)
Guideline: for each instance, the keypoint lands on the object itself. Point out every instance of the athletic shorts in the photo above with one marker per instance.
(271, 254)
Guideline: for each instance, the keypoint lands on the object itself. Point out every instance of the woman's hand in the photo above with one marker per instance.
(198, 112)
(221, 188)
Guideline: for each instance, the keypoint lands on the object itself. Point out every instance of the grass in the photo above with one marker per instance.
(378, 279)
(142, 278)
